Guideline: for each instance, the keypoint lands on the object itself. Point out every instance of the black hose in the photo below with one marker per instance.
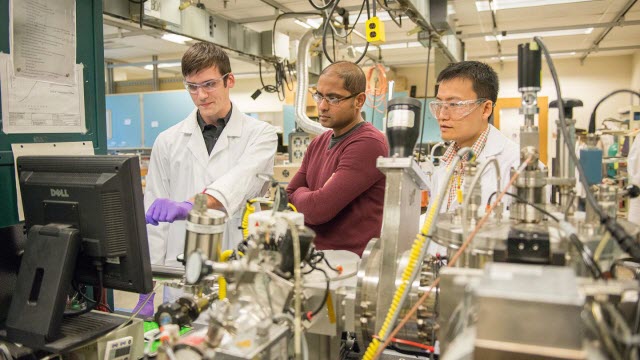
(626, 242)
(592, 118)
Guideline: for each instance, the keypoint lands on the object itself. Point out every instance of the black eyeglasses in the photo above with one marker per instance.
(331, 100)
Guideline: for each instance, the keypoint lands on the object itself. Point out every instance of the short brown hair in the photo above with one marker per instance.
(204, 55)
(355, 81)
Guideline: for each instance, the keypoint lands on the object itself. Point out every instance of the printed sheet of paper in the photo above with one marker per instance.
(60, 148)
(43, 40)
(30, 106)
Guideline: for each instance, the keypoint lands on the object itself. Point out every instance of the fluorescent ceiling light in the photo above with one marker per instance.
(403, 45)
(514, 4)
(315, 23)
(178, 39)
(382, 15)
(303, 24)
(162, 65)
(530, 35)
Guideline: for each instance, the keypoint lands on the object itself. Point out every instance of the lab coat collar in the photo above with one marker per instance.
(196, 143)
(495, 144)
(232, 129)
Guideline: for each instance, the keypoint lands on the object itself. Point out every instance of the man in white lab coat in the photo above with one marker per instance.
(467, 93)
(216, 150)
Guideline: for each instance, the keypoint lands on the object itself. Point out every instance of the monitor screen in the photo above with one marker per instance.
(85, 221)
(101, 197)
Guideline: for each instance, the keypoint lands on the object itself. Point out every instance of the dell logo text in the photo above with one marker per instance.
(59, 193)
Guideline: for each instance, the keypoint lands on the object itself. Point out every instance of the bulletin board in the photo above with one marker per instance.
(89, 52)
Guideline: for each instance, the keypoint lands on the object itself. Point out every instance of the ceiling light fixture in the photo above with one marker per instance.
(163, 65)
(382, 15)
(303, 24)
(315, 23)
(530, 35)
(178, 39)
(485, 5)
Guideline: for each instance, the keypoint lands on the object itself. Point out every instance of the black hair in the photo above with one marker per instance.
(484, 78)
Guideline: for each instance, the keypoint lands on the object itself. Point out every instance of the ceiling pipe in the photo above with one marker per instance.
(300, 105)
(619, 16)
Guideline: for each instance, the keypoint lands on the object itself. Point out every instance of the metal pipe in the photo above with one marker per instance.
(303, 121)
(433, 150)
(474, 182)
(619, 16)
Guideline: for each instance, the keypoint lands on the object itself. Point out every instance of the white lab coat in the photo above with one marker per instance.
(180, 168)
(506, 152)
(633, 168)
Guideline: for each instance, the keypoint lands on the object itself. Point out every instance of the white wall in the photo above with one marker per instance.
(266, 102)
(589, 83)
(416, 76)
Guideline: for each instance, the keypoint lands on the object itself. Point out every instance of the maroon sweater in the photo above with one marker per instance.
(340, 191)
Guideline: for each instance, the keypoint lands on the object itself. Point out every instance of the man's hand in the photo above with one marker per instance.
(165, 210)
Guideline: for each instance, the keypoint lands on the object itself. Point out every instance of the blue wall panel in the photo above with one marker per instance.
(163, 110)
(126, 129)
(288, 122)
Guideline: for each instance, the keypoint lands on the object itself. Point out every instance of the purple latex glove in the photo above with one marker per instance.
(147, 308)
(165, 210)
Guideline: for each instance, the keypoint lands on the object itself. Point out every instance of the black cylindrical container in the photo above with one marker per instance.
(529, 66)
(403, 125)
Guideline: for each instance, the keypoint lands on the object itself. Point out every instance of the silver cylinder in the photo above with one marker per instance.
(205, 228)
(607, 197)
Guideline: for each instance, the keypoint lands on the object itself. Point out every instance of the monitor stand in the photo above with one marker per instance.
(36, 315)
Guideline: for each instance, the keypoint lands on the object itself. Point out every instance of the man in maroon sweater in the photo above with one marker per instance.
(338, 187)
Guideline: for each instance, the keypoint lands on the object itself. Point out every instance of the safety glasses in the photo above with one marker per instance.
(456, 109)
(208, 86)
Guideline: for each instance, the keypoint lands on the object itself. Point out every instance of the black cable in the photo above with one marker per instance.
(365, 2)
(268, 88)
(426, 91)
(326, 294)
(524, 201)
(329, 265)
(592, 118)
(287, 66)
(585, 253)
(289, 14)
(327, 24)
(625, 241)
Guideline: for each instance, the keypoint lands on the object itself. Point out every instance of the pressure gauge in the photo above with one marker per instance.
(196, 268)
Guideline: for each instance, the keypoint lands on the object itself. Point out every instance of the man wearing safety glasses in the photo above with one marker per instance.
(216, 150)
(467, 93)
(338, 187)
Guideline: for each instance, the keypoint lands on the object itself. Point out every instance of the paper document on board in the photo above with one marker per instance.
(43, 40)
(30, 106)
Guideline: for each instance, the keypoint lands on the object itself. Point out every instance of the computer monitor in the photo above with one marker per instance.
(85, 221)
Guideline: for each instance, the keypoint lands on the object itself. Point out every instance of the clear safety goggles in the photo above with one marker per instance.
(456, 109)
(208, 86)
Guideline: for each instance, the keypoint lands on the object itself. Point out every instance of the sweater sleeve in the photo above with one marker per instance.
(300, 178)
(355, 173)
